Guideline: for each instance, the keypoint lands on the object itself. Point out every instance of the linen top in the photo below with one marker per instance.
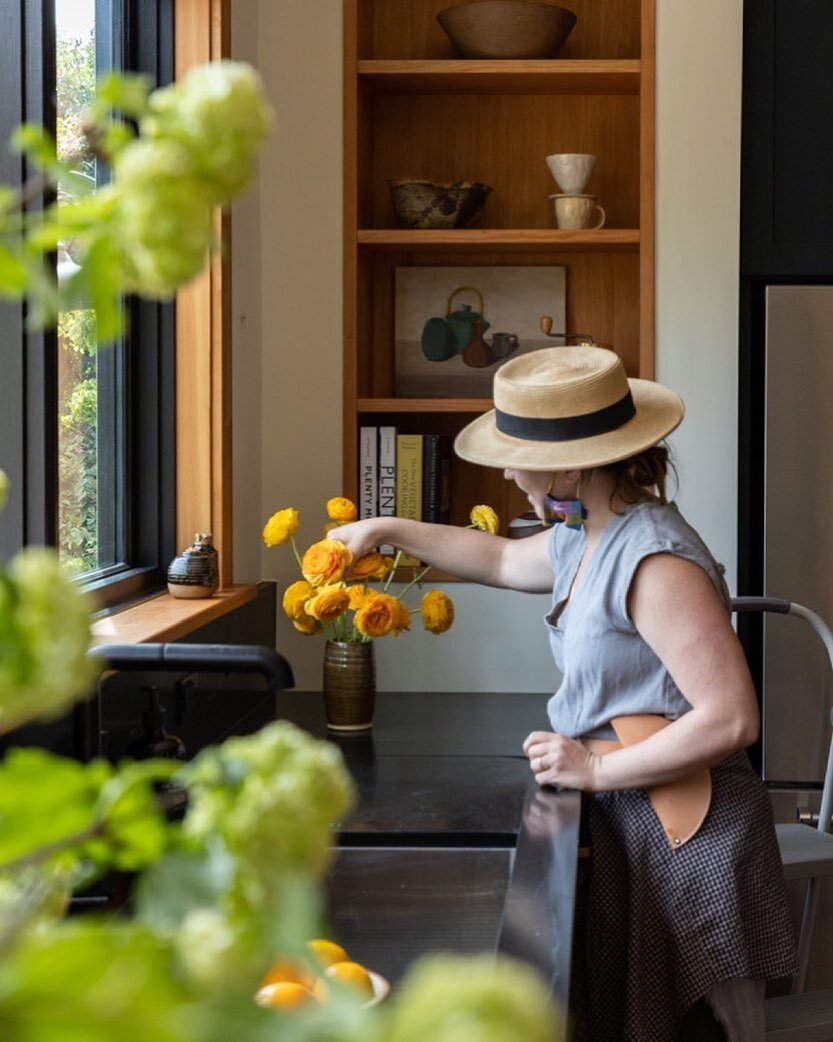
(608, 670)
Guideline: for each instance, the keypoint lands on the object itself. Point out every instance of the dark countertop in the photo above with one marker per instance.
(452, 845)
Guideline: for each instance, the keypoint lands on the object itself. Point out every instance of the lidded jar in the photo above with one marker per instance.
(195, 572)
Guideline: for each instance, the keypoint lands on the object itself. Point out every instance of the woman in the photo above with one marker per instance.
(684, 916)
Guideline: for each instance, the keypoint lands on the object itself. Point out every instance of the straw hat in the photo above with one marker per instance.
(566, 408)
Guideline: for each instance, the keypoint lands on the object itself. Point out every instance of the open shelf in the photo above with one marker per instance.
(415, 109)
(462, 76)
(429, 405)
(606, 240)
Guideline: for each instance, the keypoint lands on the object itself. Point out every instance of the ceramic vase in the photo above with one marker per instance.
(349, 686)
(195, 572)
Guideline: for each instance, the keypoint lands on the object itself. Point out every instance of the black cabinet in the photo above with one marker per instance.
(787, 140)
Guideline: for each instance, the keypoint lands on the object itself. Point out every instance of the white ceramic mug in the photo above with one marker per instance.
(577, 211)
(571, 170)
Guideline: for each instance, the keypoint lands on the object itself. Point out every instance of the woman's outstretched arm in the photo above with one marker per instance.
(518, 564)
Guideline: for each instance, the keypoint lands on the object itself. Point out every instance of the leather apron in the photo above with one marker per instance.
(681, 805)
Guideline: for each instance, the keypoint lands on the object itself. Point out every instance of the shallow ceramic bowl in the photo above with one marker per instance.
(507, 29)
(437, 204)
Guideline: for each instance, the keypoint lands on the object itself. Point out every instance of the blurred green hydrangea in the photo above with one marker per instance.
(483, 998)
(44, 638)
(271, 797)
(218, 115)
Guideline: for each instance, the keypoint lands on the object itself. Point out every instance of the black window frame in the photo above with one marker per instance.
(141, 39)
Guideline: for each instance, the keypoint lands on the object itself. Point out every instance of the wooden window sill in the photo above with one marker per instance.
(166, 618)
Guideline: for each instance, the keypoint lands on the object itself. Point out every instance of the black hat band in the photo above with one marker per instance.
(567, 428)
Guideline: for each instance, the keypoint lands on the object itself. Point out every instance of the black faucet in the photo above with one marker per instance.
(198, 658)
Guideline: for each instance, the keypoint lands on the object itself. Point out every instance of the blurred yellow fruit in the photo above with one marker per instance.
(327, 952)
(284, 995)
(352, 975)
(283, 970)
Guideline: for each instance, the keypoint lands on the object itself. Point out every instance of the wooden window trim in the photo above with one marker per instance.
(203, 338)
(203, 396)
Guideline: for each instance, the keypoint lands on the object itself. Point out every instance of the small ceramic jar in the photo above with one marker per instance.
(195, 572)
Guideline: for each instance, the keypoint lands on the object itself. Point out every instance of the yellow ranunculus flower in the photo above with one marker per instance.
(280, 527)
(437, 612)
(295, 597)
(378, 617)
(484, 518)
(341, 510)
(402, 621)
(358, 595)
(307, 625)
(325, 562)
(371, 566)
(328, 603)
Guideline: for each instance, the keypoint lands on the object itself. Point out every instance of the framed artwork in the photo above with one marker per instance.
(453, 327)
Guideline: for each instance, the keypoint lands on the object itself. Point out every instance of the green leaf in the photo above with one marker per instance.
(45, 799)
(90, 981)
(12, 274)
(123, 92)
(38, 145)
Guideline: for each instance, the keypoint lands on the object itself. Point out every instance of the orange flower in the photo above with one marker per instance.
(358, 595)
(378, 617)
(325, 562)
(403, 619)
(371, 566)
(437, 612)
(306, 625)
(328, 603)
(295, 597)
(281, 527)
(341, 510)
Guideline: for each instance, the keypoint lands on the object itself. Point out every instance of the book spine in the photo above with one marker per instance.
(387, 478)
(368, 473)
(436, 471)
(409, 482)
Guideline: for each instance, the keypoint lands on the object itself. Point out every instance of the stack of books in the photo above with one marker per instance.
(404, 475)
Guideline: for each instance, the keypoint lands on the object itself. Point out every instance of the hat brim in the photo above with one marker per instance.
(658, 412)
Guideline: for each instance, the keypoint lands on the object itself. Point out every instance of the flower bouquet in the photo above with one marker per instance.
(336, 597)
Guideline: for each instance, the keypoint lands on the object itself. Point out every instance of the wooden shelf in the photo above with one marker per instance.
(600, 76)
(601, 240)
(429, 405)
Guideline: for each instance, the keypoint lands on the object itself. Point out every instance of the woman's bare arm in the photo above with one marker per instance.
(518, 564)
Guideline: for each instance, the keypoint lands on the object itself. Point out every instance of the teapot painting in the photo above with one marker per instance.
(461, 331)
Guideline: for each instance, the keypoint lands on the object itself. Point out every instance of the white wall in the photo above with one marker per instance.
(288, 400)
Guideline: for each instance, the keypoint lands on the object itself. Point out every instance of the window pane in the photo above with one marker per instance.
(90, 387)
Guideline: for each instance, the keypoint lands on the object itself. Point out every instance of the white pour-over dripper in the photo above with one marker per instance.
(571, 170)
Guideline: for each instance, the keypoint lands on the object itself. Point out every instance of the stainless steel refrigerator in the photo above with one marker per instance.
(798, 527)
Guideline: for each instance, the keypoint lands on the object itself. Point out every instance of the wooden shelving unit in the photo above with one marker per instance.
(412, 108)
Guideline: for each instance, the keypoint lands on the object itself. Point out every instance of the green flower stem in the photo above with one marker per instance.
(416, 579)
(297, 555)
(389, 579)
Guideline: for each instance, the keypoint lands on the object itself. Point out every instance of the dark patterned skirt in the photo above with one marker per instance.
(656, 928)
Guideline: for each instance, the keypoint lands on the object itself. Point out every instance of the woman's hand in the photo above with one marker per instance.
(556, 760)
(360, 537)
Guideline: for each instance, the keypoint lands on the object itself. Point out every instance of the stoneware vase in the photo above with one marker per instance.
(349, 686)
(195, 572)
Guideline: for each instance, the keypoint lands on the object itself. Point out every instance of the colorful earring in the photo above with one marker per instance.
(570, 511)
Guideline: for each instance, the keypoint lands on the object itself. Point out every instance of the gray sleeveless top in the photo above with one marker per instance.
(608, 670)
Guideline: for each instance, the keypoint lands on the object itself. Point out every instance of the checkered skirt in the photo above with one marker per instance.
(656, 928)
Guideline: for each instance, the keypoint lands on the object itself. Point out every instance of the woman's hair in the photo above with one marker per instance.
(641, 476)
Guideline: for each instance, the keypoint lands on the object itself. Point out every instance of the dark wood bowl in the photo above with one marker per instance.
(507, 29)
